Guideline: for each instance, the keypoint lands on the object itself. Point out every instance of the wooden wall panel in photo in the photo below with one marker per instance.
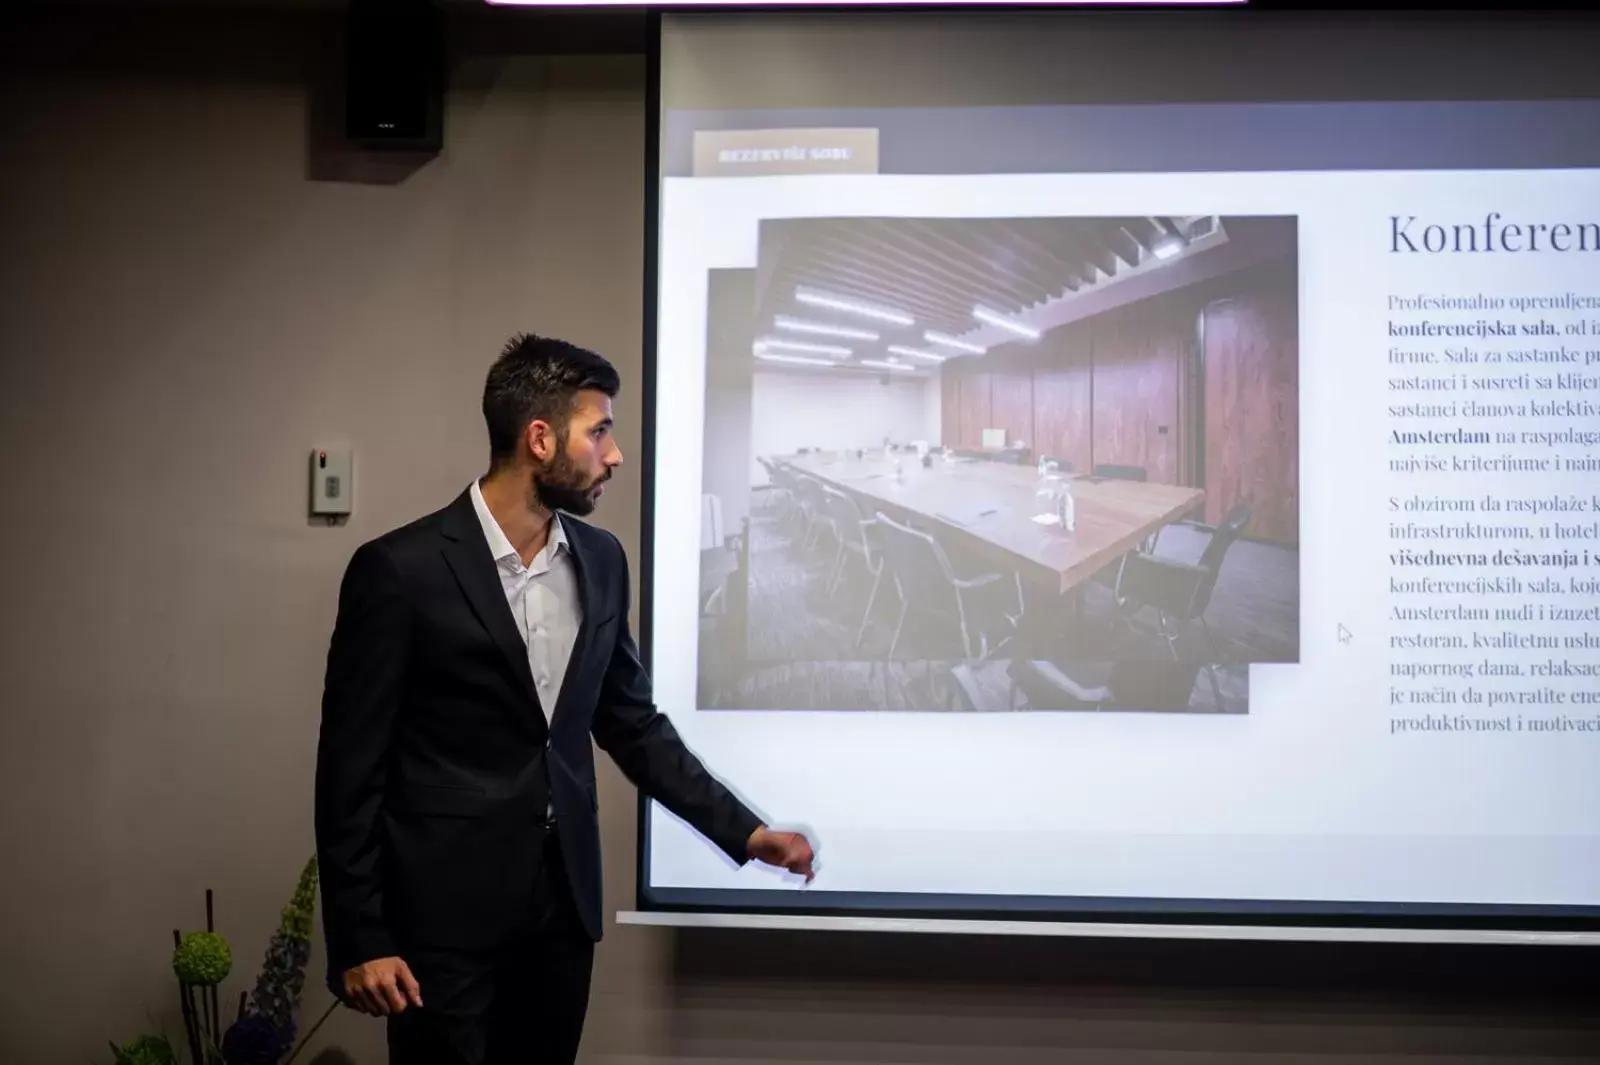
(1252, 368)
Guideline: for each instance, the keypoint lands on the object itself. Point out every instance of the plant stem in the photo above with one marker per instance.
(197, 1034)
(313, 1031)
(191, 1025)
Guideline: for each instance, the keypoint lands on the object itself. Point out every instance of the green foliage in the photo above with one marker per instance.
(298, 914)
(145, 1050)
(264, 1030)
(202, 959)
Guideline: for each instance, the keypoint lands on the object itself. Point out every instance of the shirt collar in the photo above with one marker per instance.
(558, 535)
(500, 544)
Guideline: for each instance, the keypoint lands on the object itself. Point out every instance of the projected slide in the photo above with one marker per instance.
(1118, 510)
(1009, 554)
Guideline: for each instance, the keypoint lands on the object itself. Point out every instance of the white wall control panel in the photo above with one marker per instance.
(332, 487)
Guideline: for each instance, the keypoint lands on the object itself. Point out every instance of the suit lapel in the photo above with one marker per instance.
(467, 554)
(587, 581)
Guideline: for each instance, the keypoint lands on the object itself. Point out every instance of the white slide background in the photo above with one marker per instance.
(1308, 796)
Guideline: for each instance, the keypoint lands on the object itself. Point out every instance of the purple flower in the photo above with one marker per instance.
(255, 1040)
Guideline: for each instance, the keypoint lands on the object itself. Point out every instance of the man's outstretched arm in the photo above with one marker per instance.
(651, 754)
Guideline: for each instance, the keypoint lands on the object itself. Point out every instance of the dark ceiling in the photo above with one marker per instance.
(938, 269)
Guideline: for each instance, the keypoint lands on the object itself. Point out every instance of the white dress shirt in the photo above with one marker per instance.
(543, 598)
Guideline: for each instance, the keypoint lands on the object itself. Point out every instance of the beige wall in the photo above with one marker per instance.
(185, 313)
(198, 287)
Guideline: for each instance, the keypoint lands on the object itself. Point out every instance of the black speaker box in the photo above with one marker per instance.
(394, 74)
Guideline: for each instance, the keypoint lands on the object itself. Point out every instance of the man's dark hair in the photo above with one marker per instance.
(539, 378)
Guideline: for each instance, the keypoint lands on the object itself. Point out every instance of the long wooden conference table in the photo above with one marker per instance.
(989, 508)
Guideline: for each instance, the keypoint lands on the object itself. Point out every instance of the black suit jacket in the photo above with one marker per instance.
(435, 764)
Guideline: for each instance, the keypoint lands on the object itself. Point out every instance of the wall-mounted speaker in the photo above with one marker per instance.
(394, 74)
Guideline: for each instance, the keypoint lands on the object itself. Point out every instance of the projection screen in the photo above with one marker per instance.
(1130, 471)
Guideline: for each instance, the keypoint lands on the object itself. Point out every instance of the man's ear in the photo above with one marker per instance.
(541, 439)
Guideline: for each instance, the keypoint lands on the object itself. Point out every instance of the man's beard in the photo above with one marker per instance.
(562, 486)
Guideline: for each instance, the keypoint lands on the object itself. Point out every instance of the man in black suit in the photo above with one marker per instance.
(475, 652)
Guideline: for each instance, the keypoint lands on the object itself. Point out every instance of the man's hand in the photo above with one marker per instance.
(786, 850)
(381, 987)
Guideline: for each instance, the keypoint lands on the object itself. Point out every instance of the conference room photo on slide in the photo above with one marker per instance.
(1235, 528)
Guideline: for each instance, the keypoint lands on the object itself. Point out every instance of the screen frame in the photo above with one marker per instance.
(647, 413)
(1273, 920)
